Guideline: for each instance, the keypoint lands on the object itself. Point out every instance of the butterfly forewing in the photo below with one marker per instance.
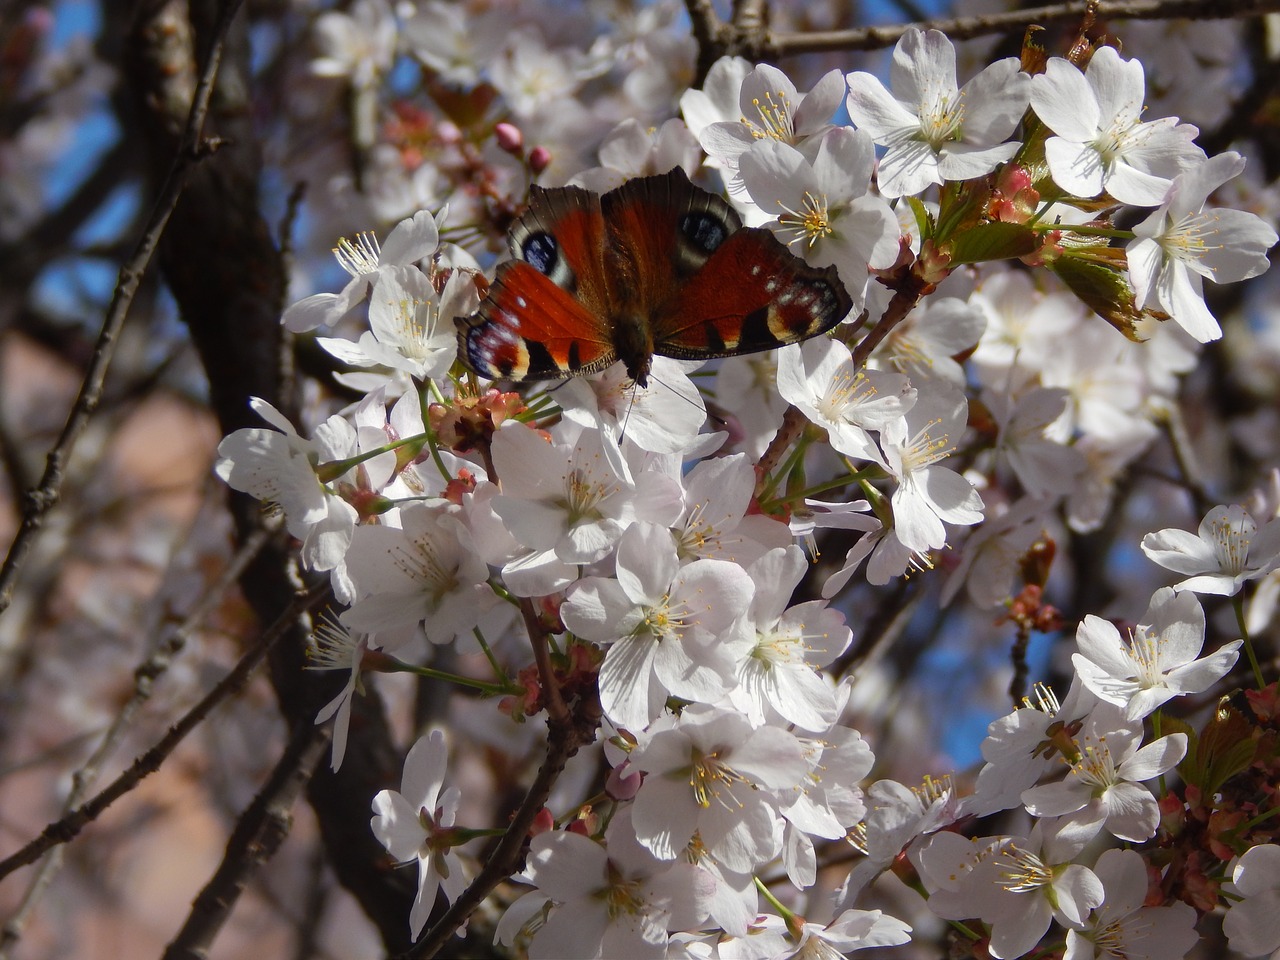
(562, 235)
(546, 314)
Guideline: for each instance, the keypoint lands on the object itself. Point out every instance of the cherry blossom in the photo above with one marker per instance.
(1101, 142)
(279, 467)
(410, 325)
(897, 818)
(709, 772)
(714, 521)
(929, 494)
(424, 574)
(821, 207)
(1228, 550)
(610, 899)
(1252, 924)
(1042, 463)
(993, 552)
(1123, 927)
(1021, 747)
(663, 622)
(851, 931)
(786, 645)
(1182, 244)
(663, 417)
(1101, 787)
(414, 238)
(818, 377)
(1158, 663)
(770, 108)
(565, 498)
(829, 801)
(415, 823)
(923, 345)
(934, 130)
(337, 648)
(1018, 885)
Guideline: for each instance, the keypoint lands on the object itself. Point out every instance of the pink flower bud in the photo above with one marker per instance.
(620, 785)
(539, 159)
(509, 138)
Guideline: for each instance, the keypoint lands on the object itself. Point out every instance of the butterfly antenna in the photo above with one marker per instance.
(627, 417)
(672, 389)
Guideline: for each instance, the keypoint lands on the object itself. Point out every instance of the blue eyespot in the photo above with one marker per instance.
(541, 252)
(703, 231)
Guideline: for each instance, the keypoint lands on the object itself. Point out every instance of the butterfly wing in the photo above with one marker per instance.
(750, 294)
(662, 230)
(546, 315)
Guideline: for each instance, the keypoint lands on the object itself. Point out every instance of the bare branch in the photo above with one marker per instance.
(70, 826)
(43, 498)
(144, 679)
(256, 838)
(965, 28)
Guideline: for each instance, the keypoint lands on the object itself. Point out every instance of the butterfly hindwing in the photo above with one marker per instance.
(752, 294)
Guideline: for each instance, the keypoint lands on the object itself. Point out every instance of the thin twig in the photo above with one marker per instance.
(144, 680)
(43, 498)
(258, 834)
(905, 298)
(563, 741)
(1191, 476)
(69, 826)
(965, 28)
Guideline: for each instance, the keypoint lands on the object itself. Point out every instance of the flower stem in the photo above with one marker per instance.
(1237, 604)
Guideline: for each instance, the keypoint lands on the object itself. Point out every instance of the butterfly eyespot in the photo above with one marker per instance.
(540, 251)
(703, 231)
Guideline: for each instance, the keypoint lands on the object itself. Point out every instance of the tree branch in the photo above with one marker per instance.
(144, 679)
(43, 498)
(70, 826)
(965, 28)
(257, 836)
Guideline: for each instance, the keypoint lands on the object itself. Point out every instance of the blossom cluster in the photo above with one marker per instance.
(657, 550)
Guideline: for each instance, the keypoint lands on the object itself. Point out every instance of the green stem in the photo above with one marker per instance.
(1157, 723)
(493, 661)
(817, 488)
(394, 665)
(772, 483)
(333, 469)
(1260, 819)
(1237, 604)
(774, 902)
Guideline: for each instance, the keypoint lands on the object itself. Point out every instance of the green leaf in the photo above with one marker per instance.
(993, 241)
(1104, 289)
(1223, 748)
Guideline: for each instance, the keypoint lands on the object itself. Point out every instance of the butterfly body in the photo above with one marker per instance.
(657, 266)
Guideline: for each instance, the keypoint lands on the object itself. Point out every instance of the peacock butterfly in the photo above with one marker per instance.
(655, 266)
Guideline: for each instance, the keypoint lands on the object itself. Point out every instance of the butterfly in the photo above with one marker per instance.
(657, 266)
